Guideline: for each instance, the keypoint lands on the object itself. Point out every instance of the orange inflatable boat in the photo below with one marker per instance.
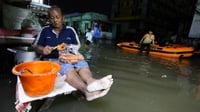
(171, 51)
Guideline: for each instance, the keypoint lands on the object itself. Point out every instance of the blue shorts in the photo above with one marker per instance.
(65, 67)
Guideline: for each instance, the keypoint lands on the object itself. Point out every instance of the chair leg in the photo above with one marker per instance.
(78, 95)
(47, 103)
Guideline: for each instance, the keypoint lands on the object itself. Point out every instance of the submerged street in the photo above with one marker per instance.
(141, 84)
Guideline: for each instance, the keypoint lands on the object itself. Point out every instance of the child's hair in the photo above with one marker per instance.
(89, 29)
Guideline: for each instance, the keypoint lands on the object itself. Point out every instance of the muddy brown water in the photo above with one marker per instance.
(141, 83)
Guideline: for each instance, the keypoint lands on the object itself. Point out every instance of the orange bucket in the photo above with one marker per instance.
(37, 77)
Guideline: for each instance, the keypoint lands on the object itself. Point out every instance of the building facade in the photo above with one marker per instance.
(82, 21)
(164, 17)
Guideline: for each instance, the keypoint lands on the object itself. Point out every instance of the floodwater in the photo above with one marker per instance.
(141, 83)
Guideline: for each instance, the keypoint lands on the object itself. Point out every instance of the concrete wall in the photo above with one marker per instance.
(1, 21)
(14, 18)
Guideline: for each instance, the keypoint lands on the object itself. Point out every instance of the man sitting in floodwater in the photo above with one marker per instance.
(77, 72)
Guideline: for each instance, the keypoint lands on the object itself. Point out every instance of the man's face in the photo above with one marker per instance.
(56, 18)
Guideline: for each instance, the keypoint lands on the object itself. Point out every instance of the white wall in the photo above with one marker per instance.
(194, 29)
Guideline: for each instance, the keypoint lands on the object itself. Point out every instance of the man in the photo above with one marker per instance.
(77, 73)
(146, 41)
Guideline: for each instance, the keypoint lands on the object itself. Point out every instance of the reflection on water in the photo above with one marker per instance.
(141, 83)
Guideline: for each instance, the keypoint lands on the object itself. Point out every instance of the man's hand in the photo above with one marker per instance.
(47, 50)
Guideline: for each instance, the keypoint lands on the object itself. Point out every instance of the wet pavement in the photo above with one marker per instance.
(141, 84)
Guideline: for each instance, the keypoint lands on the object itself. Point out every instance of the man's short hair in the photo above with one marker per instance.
(55, 8)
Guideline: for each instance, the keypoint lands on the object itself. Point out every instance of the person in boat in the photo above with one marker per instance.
(67, 55)
(146, 41)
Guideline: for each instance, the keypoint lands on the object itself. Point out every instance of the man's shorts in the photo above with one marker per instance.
(65, 67)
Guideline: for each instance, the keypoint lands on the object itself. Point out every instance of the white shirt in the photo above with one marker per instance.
(89, 36)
